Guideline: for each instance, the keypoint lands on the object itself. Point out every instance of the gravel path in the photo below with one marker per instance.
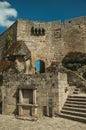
(11, 123)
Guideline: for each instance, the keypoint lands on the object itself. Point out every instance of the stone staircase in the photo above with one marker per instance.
(75, 108)
(76, 90)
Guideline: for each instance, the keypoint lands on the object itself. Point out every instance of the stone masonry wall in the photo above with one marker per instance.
(47, 96)
(74, 34)
(59, 39)
(3, 36)
(63, 89)
(40, 46)
(50, 94)
(47, 47)
(9, 100)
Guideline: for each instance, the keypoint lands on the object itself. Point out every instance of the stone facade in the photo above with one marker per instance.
(49, 41)
(36, 96)
(33, 83)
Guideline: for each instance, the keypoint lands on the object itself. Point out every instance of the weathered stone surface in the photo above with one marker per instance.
(29, 93)
(58, 40)
(46, 88)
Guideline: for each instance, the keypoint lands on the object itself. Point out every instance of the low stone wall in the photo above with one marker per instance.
(63, 88)
(51, 94)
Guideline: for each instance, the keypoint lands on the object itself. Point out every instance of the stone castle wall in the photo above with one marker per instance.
(75, 34)
(41, 47)
(59, 38)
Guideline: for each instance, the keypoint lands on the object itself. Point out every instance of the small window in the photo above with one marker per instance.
(37, 31)
(32, 30)
(43, 31)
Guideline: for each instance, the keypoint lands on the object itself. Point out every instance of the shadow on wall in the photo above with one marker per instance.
(1, 80)
(0, 107)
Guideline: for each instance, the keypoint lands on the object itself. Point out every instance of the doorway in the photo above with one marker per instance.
(40, 66)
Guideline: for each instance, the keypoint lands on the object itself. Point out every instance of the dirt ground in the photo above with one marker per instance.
(45, 123)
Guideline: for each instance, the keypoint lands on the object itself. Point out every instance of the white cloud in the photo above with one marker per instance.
(6, 14)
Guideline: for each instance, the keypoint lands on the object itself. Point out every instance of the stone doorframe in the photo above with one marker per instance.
(21, 104)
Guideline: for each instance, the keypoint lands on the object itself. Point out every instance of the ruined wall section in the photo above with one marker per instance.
(75, 34)
(3, 37)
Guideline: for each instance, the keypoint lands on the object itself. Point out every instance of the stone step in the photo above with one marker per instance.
(76, 92)
(72, 117)
(77, 89)
(74, 109)
(75, 105)
(76, 102)
(76, 99)
(81, 114)
(77, 96)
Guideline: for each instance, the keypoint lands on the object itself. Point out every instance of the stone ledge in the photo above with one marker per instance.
(27, 118)
(29, 105)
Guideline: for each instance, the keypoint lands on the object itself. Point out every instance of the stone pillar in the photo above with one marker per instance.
(20, 102)
(34, 96)
(27, 65)
(34, 102)
(20, 96)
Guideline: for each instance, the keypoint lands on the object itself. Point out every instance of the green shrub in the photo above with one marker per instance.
(72, 66)
(74, 60)
(9, 40)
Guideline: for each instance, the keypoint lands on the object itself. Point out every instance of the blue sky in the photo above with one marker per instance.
(42, 10)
